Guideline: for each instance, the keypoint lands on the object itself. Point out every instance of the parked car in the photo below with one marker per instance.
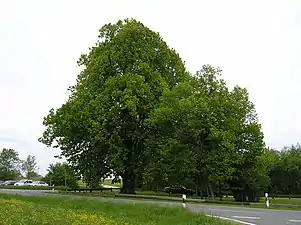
(8, 183)
(23, 183)
(178, 190)
(39, 183)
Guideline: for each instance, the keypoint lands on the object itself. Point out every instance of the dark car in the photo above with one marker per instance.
(8, 182)
(178, 190)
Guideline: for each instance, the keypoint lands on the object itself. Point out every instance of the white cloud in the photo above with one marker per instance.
(256, 43)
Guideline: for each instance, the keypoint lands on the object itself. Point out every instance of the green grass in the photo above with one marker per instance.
(148, 193)
(200, 203)
(293, 201)
(33, 187)
(224, 199)
(81, 184)
(158, 193)
(109, 182)
(216, 202)
(24, 210)
(283, 201)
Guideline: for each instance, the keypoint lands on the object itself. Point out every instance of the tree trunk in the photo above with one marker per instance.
(207, 191)
(211, 191)
(128, 183)
(219, 191)
(243, 195)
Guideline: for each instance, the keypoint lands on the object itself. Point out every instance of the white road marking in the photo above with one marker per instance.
(233, 220)
(295, 221)
(246, 217)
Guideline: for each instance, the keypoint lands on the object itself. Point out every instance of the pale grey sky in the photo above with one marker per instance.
(256, 43)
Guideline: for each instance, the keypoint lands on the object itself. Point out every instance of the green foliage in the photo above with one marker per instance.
(202, 128)
(285, 172)
(29, 167)
(60, 173)
(9, 164)
(101, 128)
(136, 113)
(23, 210)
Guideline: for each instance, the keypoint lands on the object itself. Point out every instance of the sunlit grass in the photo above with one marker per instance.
(29, 210)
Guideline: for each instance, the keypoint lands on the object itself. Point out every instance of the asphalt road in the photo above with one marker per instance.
(242, 215)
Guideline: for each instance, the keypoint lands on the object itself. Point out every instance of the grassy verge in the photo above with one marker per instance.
(32, 187)
(225, 199)
(138, 198)
(293, 201)
(283, 201)
(109, 182)
(26, 210)
(81, 184)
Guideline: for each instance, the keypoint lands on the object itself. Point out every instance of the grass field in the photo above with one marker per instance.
(109, 182)
(226, 201)
(32, 187)
(282, 200)
(106, 182)
(24, 210)
(293, 201)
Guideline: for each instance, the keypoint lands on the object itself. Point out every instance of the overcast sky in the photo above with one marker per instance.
(255, 43)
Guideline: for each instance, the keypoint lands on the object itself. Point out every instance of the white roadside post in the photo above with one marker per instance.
(267, 199)
(184, 200)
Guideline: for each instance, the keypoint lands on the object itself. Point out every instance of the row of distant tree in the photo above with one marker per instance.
(279, 173)
(283, 169)
(14, 168)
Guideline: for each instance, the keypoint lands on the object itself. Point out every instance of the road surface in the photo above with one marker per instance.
(242, 215)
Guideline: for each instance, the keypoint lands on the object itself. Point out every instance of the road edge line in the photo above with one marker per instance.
(295, 221)
(234, 220)
(246, 217)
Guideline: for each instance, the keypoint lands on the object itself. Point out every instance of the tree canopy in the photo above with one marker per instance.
(60, 174)
(101, 128)
(204, 130)
(29, 166)
(137, 113)
(9, 164)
